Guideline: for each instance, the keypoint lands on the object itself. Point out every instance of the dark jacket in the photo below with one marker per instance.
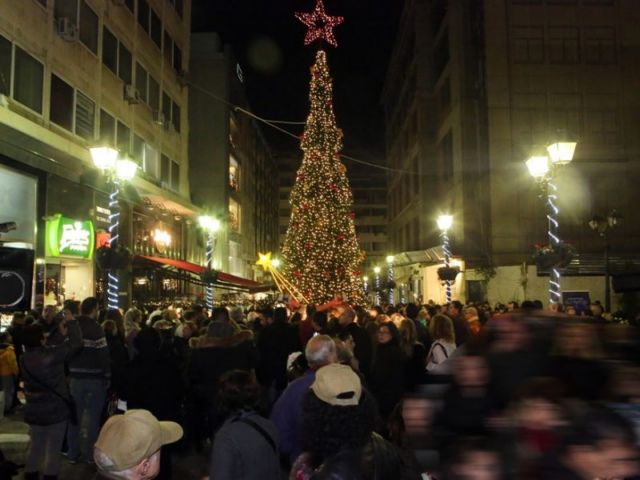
(461, 329)
(241, 451)
(414, 366)
(386, 381)
(363, 350)
(51, 331)
(215, 356)
(277, 341)
(43, 371)
(118, 356)
(92, 360)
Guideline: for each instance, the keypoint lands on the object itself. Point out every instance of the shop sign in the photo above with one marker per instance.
(69, 238)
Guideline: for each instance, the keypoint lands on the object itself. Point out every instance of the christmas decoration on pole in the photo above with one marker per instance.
(211, 226)
(444, 224)
(320, 254)
(390, 281)
(284, 285)
(320, 25)
(376, 270)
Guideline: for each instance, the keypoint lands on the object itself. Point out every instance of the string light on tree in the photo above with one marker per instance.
(320, 25)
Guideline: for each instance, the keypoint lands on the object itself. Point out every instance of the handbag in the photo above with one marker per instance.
(69, 402)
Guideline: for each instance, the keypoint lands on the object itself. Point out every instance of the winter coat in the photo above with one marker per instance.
(215, 356)
(92, 361)
(386, 381)
(277, 341)
(243, 452)
(363, 350)
(45, 365)
(8, 363)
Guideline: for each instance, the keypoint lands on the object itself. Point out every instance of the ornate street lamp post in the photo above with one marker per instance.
(117, 170)
(210, 225)
(444, 224)
(602, 226)
(376, 270)
(390, 282)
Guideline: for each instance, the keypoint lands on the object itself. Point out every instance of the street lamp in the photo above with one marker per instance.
(544, 169)
(376, 270)
(390, 279)
(210, 225)
(445, 222)
(117, 170)
(602, 226)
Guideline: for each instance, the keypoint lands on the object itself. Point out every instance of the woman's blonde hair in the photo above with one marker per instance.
(441, 328)
(408, 336)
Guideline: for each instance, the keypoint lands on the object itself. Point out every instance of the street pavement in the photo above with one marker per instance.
(14, 442)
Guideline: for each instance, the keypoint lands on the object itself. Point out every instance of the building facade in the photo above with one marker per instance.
(474, 88)
(233, 176)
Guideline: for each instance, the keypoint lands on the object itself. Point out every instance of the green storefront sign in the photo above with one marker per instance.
(66, 237)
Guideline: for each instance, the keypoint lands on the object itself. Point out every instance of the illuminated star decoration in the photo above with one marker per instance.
(265, 261)
(320, 25)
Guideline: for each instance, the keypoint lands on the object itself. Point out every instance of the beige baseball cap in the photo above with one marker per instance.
(337, 385)
(130, 438)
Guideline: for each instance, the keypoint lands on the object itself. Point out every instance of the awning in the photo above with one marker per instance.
(224, 279)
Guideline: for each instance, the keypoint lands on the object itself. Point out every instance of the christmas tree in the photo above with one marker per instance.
(321, 253)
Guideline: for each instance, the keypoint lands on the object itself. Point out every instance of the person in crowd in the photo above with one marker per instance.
(49, 406)
(15, 330)
(460, 324)
(319, 323)
(413, 313)
(132, 325)
(220, 351)
(387, 372)
(287, 411)
(129, 445)
(153, 382)
(90, 375)
(363, 343)
(49, 323)
(236, 318)
(345, 348)
(118, 354)
(597, 443)
(413, 352)
(575, 360)
(443, 346)
(473, 319)
(305, 327)
(474, 458)
(276, 342)
(512, 306)
(246, 446)
(339, 418)
(8, 370)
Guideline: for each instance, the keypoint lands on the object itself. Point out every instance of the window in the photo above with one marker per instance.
(178, 5)
(61, 112)
(529, 126)
(155, 29)
(107, 128)
(168, 48)
(601, 127)
(175, 176)
(138, 150)
(123, 138)
(175, 117)
(88, 27)
(27, 80)
(130, 5)
(154, 94)
(125, 62)
(446, 156)
(116, 57)
(600, 45)
(234, 215)
(165, 170)
(5, 65)
(166, 107)
(66, 9)
(177, 58)
(563, 45)
(528, 45)
(85, 116)
(142, 81)
(151, 164)
(143, 15)
(234, 174)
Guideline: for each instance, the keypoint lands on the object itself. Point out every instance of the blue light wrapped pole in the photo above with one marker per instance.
(113, 287)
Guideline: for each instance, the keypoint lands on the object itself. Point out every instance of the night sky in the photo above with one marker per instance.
(268, 41)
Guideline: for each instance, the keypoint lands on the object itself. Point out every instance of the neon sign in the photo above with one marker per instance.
(69, 238)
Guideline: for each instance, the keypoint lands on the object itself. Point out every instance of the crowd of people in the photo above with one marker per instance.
(327, 392)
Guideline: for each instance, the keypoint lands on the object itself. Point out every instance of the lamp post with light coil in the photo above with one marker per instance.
(543, 169)
(210, 225)
(390, 281)
(445, 222)
(117, 170)
(602, 225)
(376, 270)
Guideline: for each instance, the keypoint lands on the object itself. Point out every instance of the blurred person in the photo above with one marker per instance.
(597, 444)
(236, 317)
(319, 323)
(339, 421)
(49, 322)
(8, 370)
(472, 318)
(129, 445)
(386, 379)
(287, 411)
(571, 310)
(132, 325)
(363, 343)
(49, 406)
(444, 343)
(413, 314)
(413, 352)
(512, 306)
(246, 445)
(305, 327)
(624, 395)
(473, 459)
(460, 324)
(89, 379)
(118, 353)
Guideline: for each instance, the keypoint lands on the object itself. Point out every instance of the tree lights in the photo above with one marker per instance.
(320, 25)
(543, 169)
(321, 255)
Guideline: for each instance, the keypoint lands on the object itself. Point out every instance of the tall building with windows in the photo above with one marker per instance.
(473, 89)
(233, 174)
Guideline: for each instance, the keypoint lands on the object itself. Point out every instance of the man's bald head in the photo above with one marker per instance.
(320, 351)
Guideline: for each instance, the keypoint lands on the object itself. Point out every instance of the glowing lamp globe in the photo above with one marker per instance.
(561, 153)
(376, 270)
(210, 224)
(445, 222)
(538, 167)
(104, 158)
(390, 259)
(126, 169)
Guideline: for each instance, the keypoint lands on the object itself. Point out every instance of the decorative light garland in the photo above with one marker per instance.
(554, 240)
(320, 25)
(113, 295)
(392, 299)
(378, 299)
(209, 260)
(447, 263)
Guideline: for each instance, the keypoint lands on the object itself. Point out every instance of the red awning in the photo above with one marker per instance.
(198, 269)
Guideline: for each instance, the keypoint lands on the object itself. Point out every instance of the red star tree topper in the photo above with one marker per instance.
(320, 25)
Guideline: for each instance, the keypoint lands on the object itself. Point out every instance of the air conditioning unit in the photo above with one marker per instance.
(158, 117)
(67, 29)
(132, 94)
